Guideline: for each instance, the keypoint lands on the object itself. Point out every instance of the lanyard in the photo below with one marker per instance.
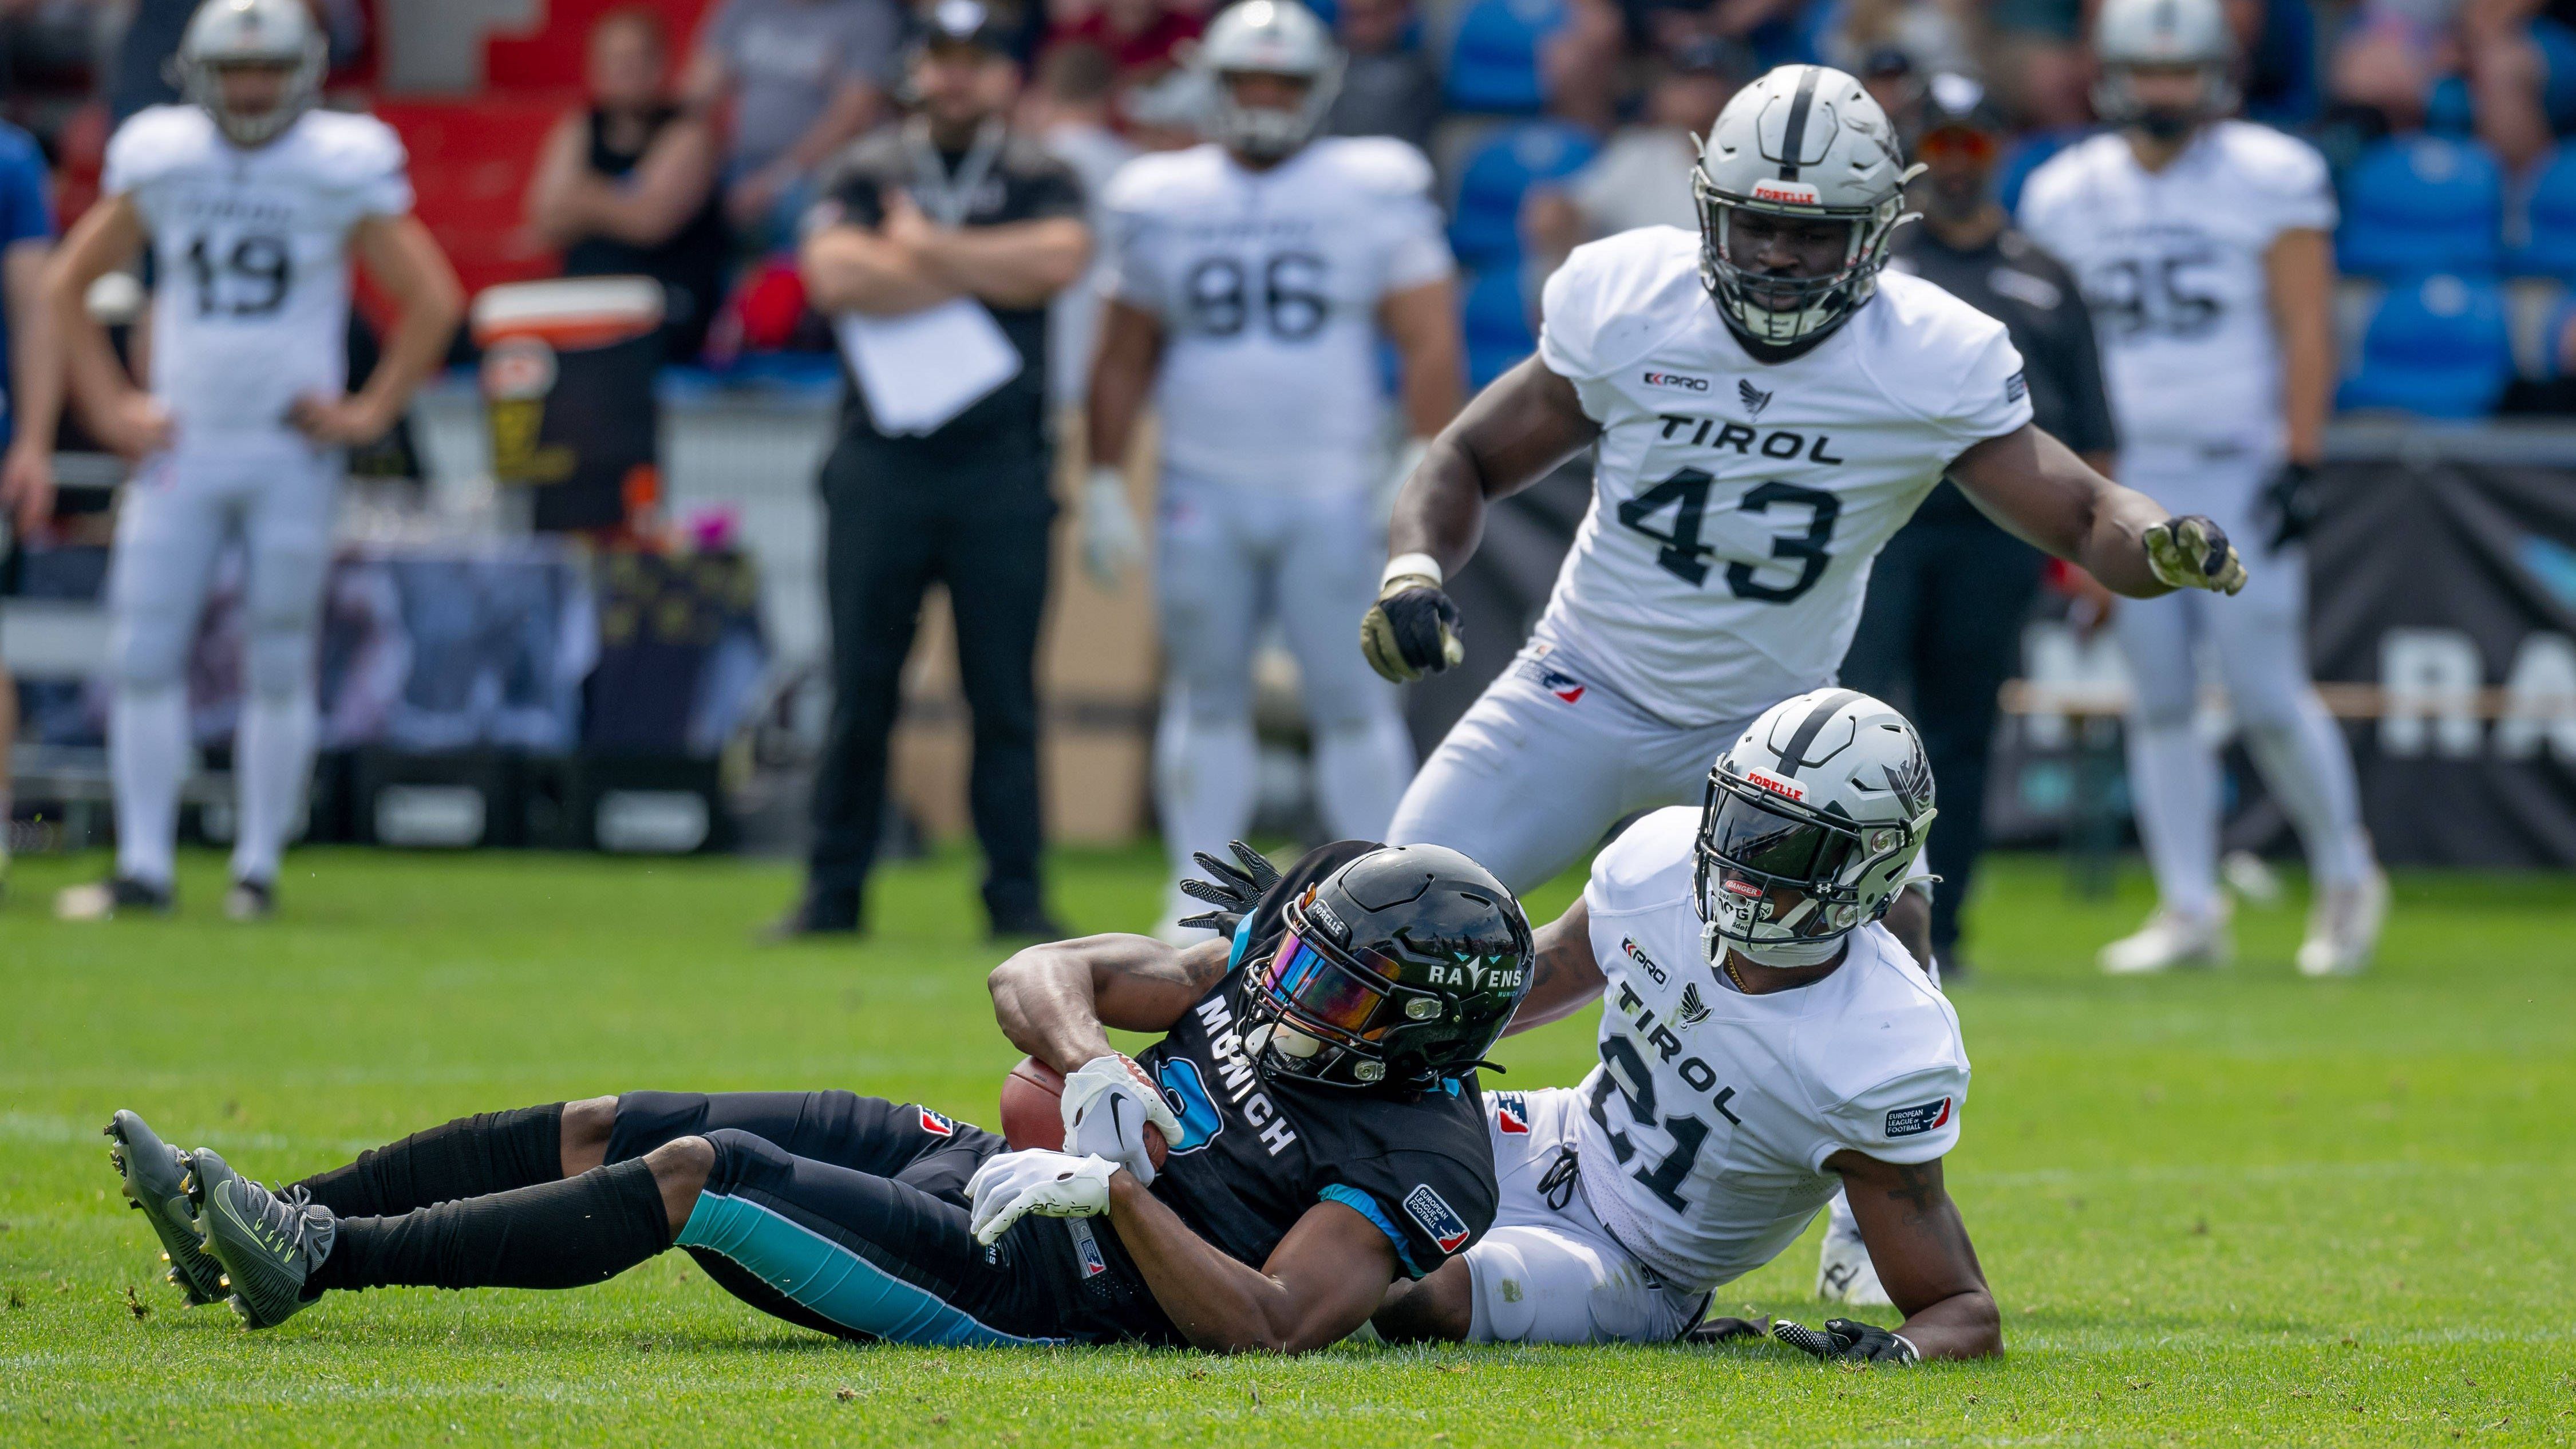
(948, 198)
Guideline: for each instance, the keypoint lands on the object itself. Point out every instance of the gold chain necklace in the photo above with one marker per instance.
(1728, 961)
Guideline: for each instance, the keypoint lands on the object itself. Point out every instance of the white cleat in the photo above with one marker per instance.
(1844, 1273)
(2343, 928)
(2169, 939)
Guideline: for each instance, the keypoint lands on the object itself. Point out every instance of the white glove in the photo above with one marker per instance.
(1111, 541)
(1011, 1185)
(1107, 1108)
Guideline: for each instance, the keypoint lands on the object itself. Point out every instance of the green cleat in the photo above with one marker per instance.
(268, 1244)
(155, 1176)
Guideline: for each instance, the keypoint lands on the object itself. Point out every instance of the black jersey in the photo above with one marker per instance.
(1257, 1152)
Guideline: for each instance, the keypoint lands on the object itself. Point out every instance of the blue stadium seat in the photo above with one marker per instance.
(2438, 348)
(2549, 248)
(1495, 320)
(1493, 62)
(1485, 231)
(2420, 206)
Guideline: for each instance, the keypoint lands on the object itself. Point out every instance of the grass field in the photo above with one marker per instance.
(2235, 1206)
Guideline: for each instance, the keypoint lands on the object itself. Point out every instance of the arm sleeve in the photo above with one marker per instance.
(1906, 1119)
(1993, 395)
(1418, 250)
(385, 189)
(2300, 195)
(1567, 324)
(128, 155)
(1429, 1205)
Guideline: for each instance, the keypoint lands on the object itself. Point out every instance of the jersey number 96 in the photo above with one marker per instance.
(1291, 303)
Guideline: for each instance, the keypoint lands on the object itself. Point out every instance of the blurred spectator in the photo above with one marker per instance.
(2386, 64)
(2038, 63)
(1642, 177)
(2521, 61)
(27, 476)
(1141, 37)
(1070, 118)
(1929, 35)
(802, 77)
(627, 186)
(1389, 87)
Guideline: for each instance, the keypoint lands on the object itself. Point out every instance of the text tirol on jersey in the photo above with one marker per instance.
(1782, 443)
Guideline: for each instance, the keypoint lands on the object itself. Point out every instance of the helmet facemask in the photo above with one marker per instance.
(1271, 133)
(2116, 99)
(1777, 311)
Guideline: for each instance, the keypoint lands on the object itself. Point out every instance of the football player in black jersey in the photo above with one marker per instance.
(1315, 1087)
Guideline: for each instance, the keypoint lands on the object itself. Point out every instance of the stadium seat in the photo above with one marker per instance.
(2438, 348)
(2421, 206)
(1495, 319)
(2548, 247)
(1485, 230)
(1493, 61)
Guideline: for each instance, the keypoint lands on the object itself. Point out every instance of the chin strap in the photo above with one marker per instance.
(1769, 953)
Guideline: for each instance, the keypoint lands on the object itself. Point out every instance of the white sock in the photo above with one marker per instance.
(1205, 782)
(147, 760)
(2173, 789)
(272, 764)
(2309, 770)
(1360, 773)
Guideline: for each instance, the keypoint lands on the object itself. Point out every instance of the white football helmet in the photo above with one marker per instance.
(1267, 37)
(1810, 822)
(251, 32)
(1805, 141)
(2132, 33)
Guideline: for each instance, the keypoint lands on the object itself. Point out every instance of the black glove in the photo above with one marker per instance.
(2192, 552)
(1847, 1339)
(1412, 630)
(1234, 891)
(1722, 1330)
(2288, 505)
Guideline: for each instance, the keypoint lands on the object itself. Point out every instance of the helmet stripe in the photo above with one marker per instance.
(1794, 753)
(1793, 137)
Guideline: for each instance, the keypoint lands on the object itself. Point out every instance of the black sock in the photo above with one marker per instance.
(473, 1156)
(563, 1234)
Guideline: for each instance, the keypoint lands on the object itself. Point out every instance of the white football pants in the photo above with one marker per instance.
(1232, 559)
(173, 522)
(2258, 640)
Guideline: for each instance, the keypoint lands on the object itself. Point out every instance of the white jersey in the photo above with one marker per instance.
(1737, 505)
(1267, 284)
(2171, 263)
(1712, 1113)
(250, 248)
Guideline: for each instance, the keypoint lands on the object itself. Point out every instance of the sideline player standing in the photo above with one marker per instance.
(1250, 281)
(253, 202)
(1764, 1044)
(2205, 251)
(1764, 409)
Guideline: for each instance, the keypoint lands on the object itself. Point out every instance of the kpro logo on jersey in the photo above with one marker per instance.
(1682, 380)
(1918, 1119)
(1438, 1219)
(1511, 1113)
(938, 1124)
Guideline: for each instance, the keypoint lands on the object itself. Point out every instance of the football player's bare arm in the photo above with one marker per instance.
(567, 202)
(36, 382)
(1512, 434)
(1422, 322)
(1322, 1281)
(1923, 1255)
(399, 253)
(2299, 277)
(1566, 977)
(1123, 363)
(1018, 264)
(123, 415)
(1053, 1001)
(1439, 1307)
(2043, 494)
(851, 268)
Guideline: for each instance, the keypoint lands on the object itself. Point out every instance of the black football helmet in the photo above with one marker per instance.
(1395, 971)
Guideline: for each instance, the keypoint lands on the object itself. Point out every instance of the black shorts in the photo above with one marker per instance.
(848, 1215)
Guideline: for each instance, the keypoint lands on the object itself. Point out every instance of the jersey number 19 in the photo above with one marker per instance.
(250, 279)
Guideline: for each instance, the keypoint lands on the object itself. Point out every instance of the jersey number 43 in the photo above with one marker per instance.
(1686, 558)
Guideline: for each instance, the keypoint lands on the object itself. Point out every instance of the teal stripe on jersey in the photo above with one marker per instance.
(1368, 1207)
(822, 1275)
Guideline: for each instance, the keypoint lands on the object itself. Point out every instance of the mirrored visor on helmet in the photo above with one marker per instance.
(1324, 991)
(1755, 838)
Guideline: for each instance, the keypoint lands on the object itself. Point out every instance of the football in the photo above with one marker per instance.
(1033, 1112)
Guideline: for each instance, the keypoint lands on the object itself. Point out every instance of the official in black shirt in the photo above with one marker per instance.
(1948, 598)
(1315, 1088)
(948, 203)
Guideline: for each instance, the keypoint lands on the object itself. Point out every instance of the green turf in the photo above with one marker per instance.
(2238, 1207)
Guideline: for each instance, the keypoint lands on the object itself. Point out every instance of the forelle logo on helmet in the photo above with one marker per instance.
(1785, 789)
(1793, 193)
(1320, 911)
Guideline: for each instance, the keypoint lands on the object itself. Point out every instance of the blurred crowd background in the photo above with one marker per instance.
(1550, 121)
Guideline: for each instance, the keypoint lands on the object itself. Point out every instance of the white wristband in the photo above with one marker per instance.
(1411, 565)
(1105, 479)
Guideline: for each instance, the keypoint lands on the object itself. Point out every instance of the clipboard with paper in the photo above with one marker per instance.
(919, 370)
